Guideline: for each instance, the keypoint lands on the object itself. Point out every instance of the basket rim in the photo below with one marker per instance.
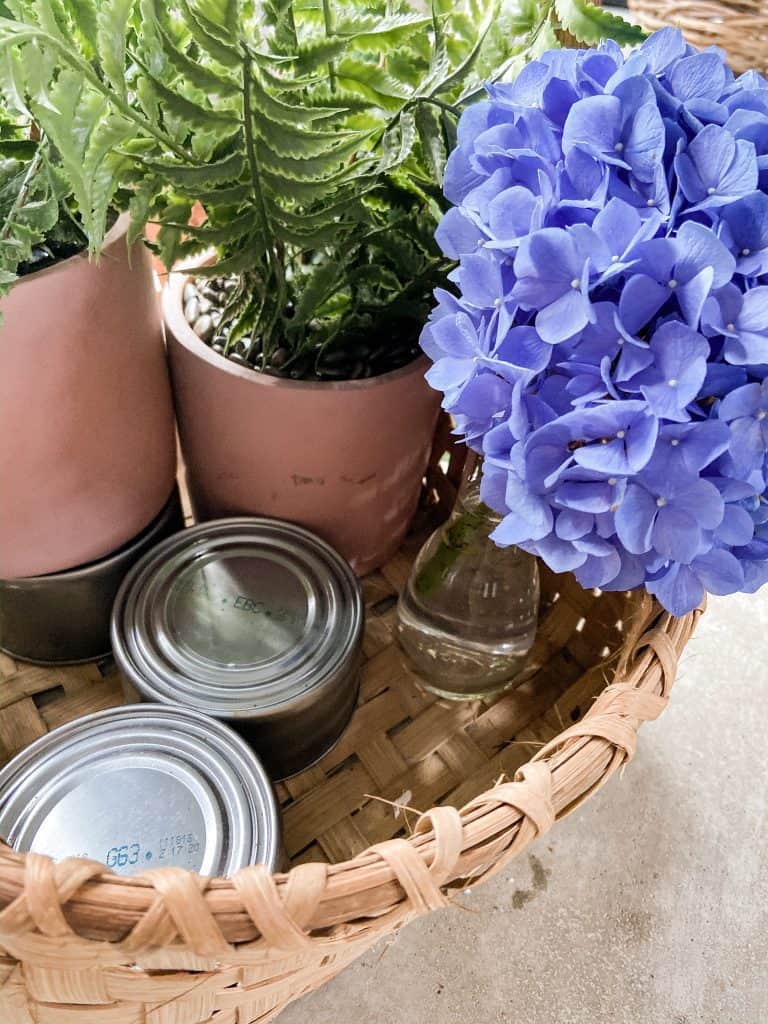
(391, 880)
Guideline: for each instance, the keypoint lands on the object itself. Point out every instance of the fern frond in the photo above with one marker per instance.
(209, 42)
(193, 114)
(84, 18)
(315, 168)
(203, 176)
(590, 24)
(111, 31)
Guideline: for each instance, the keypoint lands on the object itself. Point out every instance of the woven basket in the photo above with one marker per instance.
(741, 29)
(79, 945)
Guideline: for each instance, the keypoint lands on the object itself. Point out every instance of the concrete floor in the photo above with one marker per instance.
(649, 906)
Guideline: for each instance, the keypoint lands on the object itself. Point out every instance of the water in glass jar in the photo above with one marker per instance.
(468, 614)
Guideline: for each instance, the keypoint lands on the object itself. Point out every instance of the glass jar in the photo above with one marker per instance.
(467, 616)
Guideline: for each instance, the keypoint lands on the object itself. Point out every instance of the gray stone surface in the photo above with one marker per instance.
(648, 906)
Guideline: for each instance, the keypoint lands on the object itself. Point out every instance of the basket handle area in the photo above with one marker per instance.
(84, 907)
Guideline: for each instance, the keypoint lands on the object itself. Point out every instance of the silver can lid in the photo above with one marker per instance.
(238, 618)
(139, 787)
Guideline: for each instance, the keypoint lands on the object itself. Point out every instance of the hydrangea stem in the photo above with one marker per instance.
(456, 538)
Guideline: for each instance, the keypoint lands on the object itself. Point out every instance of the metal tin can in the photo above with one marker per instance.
(141, 787)
(254, 621)
(63, 618)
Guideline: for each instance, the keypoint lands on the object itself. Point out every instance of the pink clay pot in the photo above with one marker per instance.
(87, 444)
(343, 459)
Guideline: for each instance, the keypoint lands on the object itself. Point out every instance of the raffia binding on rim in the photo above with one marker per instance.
(741, 29)
(79, 945)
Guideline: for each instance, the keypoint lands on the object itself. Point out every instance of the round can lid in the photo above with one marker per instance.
(139, 787)
(238, 617)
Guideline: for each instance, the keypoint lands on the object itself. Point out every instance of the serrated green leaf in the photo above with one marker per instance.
(38, 64)
(373, 83)
(169, 237)
(408, 184)
(194, 115)
(39, 216)
(235, 264)
(224, 14)
(309, 169)
(458, 74)
(450, 130)
(430, 132)
(525, 17)
(102, 167)
(321, 103)
(343, 206)
(224, 53)
(195, 72)
(112, 28)
(49, 14)
(68, 121)
(305, 144)
(591, 24)
(189, 176)
(205, 144)
(284, 83)
(318, 51)
(398, 142)
(225, 234)
(139, 208)
(290, 115)
(83, 14)
(308, 191)
(220, 18)
(404, 255)
(12, 83)
(374, 29)
(314, 292)
(231, 196)
(439, 62)
(148, 100)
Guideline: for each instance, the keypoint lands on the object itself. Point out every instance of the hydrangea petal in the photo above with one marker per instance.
(598, 572)
(676, 534)
(680, 590)
(719, 572)
(635, 519)
(594, 126)
(641, 298)
(700, 75)
(457, 234)
(742, 402)
(737, 528)
(563, 318)
(662, 49)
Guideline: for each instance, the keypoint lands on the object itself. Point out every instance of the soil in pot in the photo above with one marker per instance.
(205, 310)
(66, 240)
(47, 254)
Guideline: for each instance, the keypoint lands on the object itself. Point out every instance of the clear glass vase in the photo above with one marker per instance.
(467, 616)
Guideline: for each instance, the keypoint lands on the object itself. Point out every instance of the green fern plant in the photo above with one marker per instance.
(313, 134)
(37, 224)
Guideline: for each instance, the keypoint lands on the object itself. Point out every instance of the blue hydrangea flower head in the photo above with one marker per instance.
(605, 344)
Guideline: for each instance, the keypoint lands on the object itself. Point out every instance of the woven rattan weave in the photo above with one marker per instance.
(81, 946)
(741, 29)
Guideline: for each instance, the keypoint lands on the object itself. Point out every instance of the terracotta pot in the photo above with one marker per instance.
(87, 445)
(343, 459)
